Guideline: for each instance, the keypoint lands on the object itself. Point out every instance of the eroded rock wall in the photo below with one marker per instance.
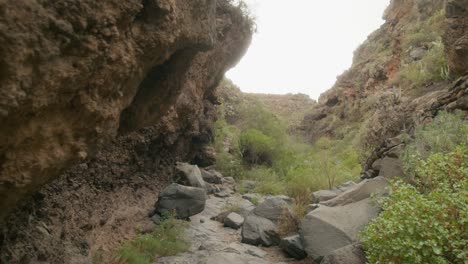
(75, 74)
(374, 93)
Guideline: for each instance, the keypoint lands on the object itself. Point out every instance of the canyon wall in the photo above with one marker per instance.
(415, 57)
(98, 99)
(75, 74)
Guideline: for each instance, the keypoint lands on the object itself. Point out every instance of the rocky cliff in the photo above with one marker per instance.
(411, 61)
(119, 89)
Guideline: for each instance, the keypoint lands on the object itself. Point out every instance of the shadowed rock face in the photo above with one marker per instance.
(456, 36)
(74, 74)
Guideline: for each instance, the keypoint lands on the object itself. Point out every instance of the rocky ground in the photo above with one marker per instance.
(227, 227)
(216, 240)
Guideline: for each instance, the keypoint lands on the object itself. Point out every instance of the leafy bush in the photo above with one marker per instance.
(166, 240)
(426, 224)
(256, 147)
(441, 136)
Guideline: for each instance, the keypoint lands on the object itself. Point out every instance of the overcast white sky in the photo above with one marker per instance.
(302, 45)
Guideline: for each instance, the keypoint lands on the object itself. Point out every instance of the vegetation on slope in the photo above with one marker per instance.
(426, 221)
(399, 62)
(253, 143)
(167, 239)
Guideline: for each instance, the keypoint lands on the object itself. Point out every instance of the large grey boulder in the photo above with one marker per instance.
(189, 175)
(292, 245)
(378, 186)
(324, 195)
(211, 176)
(346, 186)
(389, 167)
(258, 230)
(185, 201)
(326, 229)
(233, 220)
(351, 254)
(260, 226)
(273, 208)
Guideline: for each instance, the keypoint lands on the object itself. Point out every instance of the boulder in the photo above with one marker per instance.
(189, 175)
(233, 220)
(292, 245)
(211, 176)
(389, 167)
(351, 254)
(346, 186)
(273, 208)
(311, 207)
(258, 230)
(360, 191)
(326, 229)
(324, 195)
(185, 201)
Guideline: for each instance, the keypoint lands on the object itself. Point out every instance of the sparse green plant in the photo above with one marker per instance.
(232, 207)
(431, 68)
(447, 131)
(290, 219)
(256, 147)
(167, 239)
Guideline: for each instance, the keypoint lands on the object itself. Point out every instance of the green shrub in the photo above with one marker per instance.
(441, 136)
(426, 224)
(256, 147)
(432, 67)
(269, 183)
(230, 165)
(167, 239)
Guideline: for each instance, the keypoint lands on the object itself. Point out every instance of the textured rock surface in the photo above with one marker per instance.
(273, 208)
(371, 91)
(258, 230)
(74, 74)
(212, 176)
(352, 254)
(189, 175)
(377, 186)
(213, 243)
(233, 220)
(184, 201)
(324, 195)
(326, 229)
(292, 245)
(456, 36)
(70, 85)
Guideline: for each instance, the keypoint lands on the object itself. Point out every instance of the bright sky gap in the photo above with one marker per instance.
(302, 45)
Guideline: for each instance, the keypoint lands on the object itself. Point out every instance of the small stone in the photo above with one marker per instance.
(233, 220)
(157, 219)
(202, 220)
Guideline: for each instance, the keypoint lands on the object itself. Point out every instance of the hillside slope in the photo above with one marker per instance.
(396, 75)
